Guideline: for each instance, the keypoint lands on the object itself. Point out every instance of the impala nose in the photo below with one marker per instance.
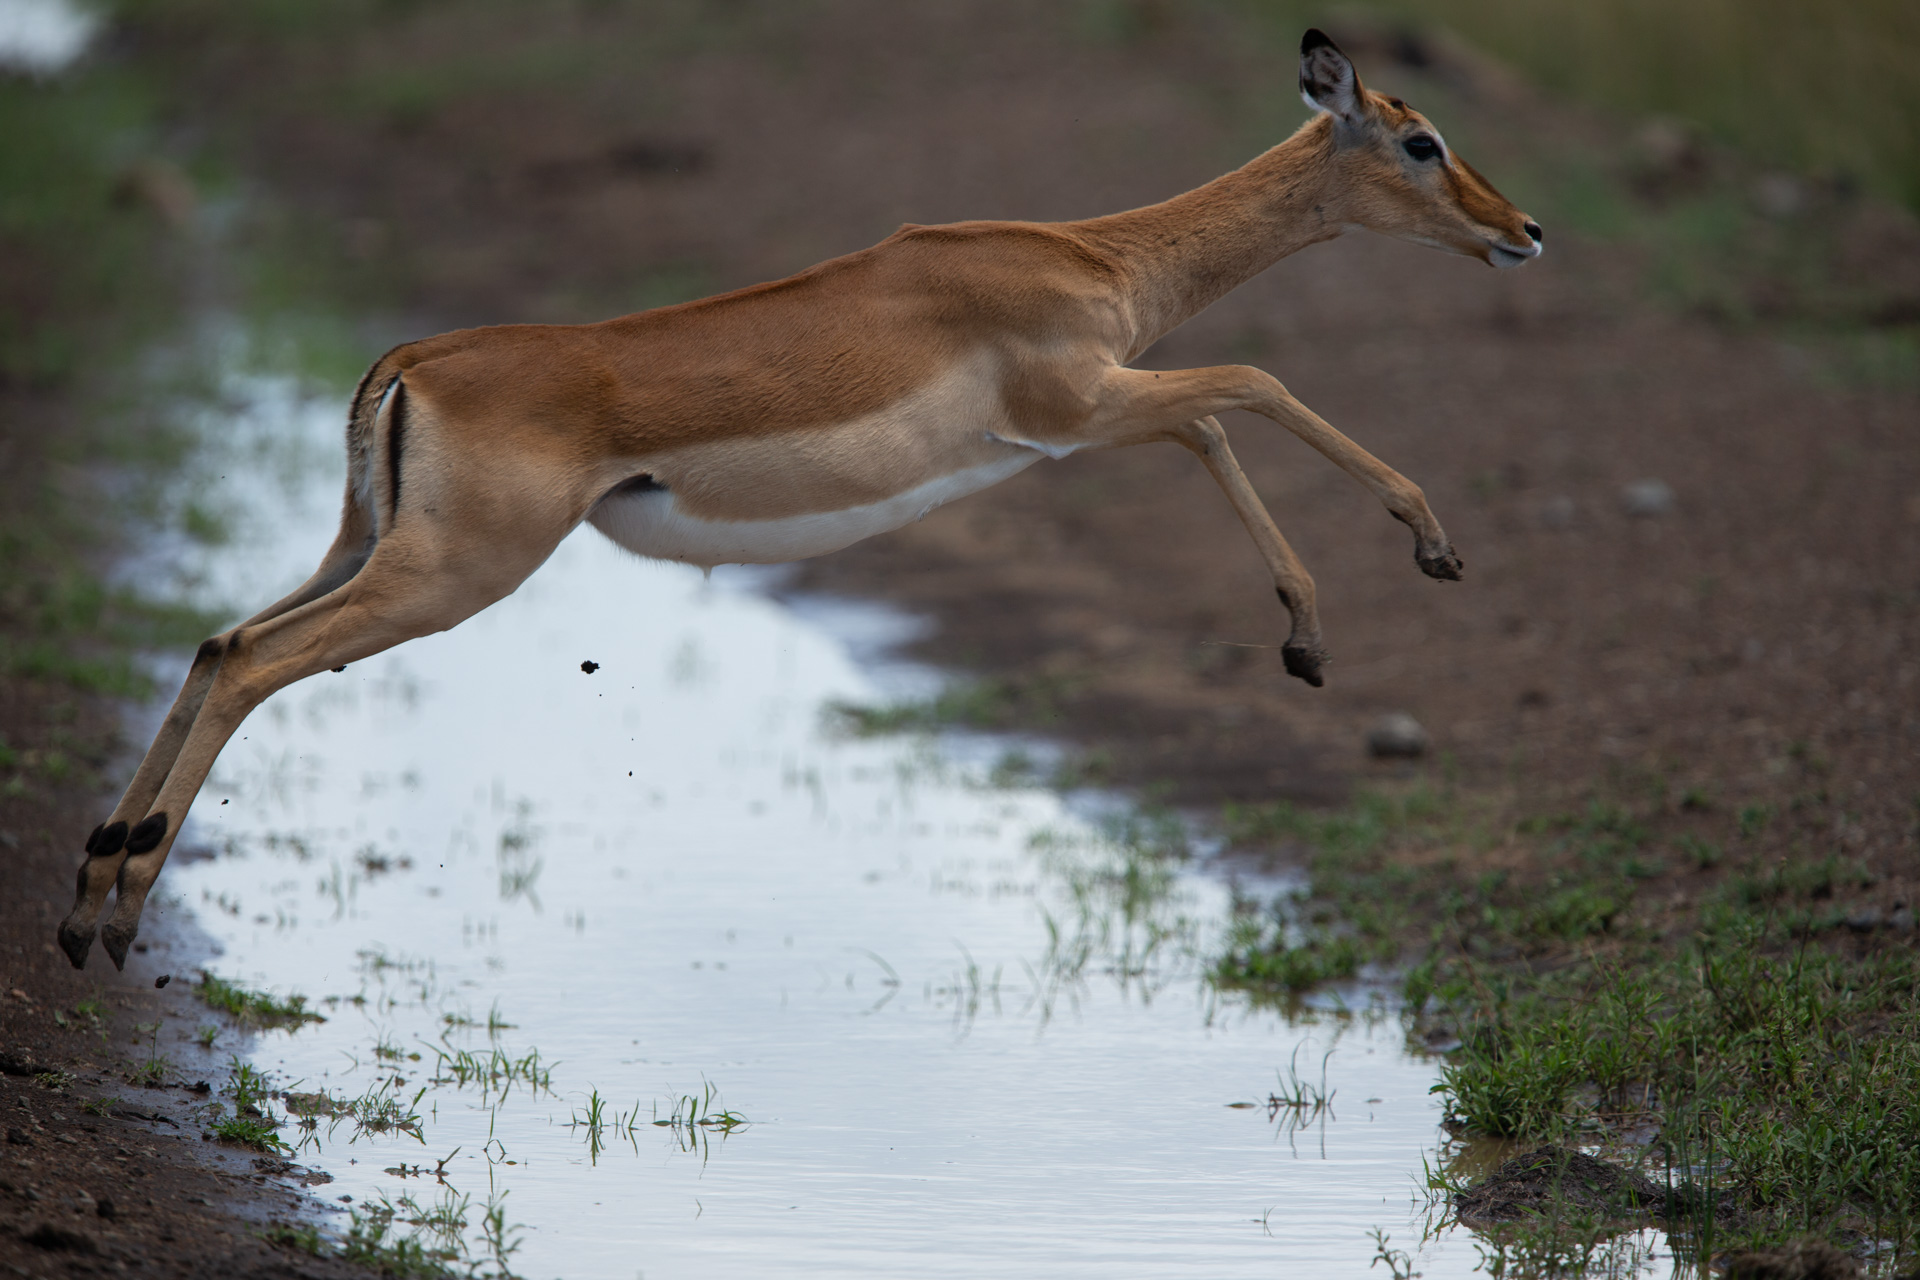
(1532, 229)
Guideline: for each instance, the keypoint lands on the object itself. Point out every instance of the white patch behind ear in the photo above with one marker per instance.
(1328, 82)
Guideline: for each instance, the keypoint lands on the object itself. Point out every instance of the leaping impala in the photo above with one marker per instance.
(794, 418)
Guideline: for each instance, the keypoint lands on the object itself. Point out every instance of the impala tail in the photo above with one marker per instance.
(375, 424)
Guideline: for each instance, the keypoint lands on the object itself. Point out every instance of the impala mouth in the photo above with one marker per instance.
(1506, 255)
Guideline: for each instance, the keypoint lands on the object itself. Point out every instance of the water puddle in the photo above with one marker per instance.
(43, 36)
(909, 1024)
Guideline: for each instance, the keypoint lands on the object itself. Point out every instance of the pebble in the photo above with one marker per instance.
(1865, 920)
(1647, 498)
(1397, 735)
(1557, 513)
(1901, 921)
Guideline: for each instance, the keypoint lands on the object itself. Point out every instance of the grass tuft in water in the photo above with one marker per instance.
(492, 1069)
(255, 1008)
(255, 1132)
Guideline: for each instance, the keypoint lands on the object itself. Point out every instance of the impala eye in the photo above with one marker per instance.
(1421, 147)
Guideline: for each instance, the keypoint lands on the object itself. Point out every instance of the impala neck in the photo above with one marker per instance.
(1184, 254)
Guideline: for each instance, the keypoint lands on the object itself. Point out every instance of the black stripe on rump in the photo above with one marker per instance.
(394, 439)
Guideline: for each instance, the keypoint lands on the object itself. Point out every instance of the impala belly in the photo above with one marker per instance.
(652, 523)
(775, 496)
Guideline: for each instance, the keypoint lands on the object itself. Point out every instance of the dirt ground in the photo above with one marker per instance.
(1748, 628)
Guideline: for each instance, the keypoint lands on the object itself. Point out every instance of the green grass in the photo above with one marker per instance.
(247, 1086)
(1002, 703)
(1745, 1028)
(406, 1240)
(493, 1070)
(254, 1008)
(254, 1132)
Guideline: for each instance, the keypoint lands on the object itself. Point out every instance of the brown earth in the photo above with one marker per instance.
(1757, 642)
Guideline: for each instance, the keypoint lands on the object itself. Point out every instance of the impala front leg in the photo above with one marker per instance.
(1141, 399)
(1302, 652)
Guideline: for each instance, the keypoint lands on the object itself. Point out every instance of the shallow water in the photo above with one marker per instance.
(43, 36)
(964, 1039)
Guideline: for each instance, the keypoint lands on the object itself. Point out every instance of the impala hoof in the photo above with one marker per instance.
(1443, 565)
(76, 942)
(1304, 661)
(147, 833)
(118, 942)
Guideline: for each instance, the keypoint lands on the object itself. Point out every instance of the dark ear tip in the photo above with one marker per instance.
(1316, 39)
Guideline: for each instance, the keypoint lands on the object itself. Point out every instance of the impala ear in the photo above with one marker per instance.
(1327, 79)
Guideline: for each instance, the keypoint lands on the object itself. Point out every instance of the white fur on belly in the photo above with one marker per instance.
(651, 523)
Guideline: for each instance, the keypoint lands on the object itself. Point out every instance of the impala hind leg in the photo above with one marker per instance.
(408, 588)
(106, 847)
(1303, 653)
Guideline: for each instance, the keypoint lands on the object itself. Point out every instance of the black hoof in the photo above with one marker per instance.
(76, 943)
(147, 833)
(118, 943)
(1446, 566)
(107, 840)
(1304, 661)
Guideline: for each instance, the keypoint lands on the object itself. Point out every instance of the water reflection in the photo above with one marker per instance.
(43, 36)
(637, 968)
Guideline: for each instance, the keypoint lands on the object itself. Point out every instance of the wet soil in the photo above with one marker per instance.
(1765, 621)
(1560, 1182)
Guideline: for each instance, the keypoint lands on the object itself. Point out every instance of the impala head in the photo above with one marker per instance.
(1400, 176)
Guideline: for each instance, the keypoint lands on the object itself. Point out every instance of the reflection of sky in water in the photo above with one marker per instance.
(664, 875)
(43, 36)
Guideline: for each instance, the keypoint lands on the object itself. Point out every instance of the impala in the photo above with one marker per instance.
(791, 419)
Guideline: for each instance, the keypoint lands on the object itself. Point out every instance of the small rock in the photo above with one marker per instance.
(105, 1208)
(1647, 498)
(589, 667)
(1557, 512)
(19, 1138)
(1865, 920)
(1396, 735)
(163, 980)
(1901, 921)
(1779, 196)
